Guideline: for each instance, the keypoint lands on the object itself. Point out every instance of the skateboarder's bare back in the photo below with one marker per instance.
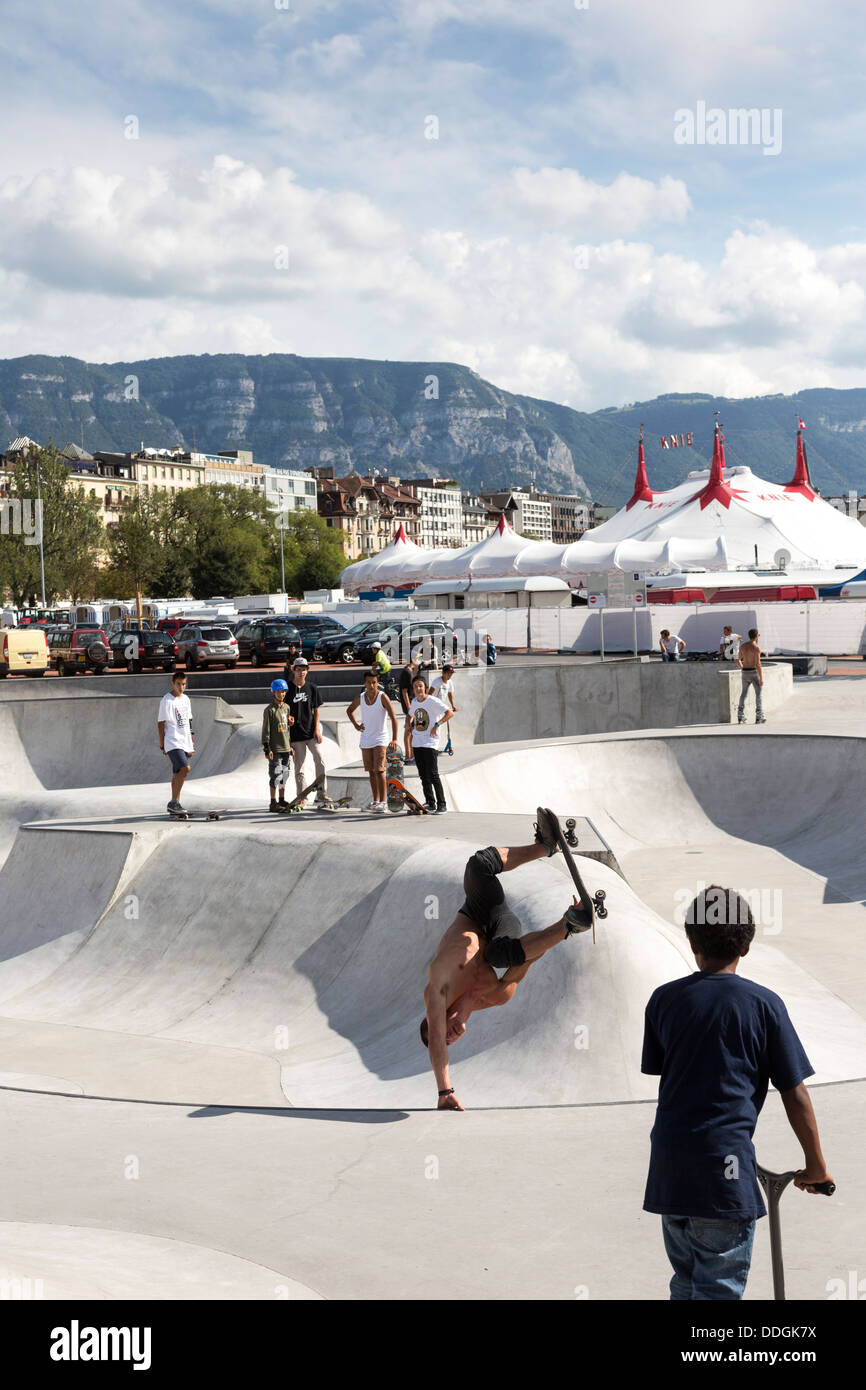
(484, 937)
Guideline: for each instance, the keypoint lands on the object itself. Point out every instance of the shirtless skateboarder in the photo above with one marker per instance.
(749, 662)
(483, 938)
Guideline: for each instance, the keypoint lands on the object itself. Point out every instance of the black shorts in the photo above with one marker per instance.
(485, 905)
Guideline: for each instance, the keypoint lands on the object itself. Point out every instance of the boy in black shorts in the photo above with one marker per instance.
(483, 938)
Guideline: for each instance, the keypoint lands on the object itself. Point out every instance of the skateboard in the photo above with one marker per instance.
(774, 1185)
(394, 773)
(399, 796)
(327, 803)
(197, 815)
(591, 907)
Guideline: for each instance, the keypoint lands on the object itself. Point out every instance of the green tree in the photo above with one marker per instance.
(135, 547)
(225, 537)
(71, 529)
(314, 554)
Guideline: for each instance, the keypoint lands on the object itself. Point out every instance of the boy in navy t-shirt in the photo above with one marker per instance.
(716, 1041)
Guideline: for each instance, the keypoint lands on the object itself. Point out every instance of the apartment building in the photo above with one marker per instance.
(441, 511)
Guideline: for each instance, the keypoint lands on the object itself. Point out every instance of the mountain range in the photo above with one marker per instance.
(419, 419)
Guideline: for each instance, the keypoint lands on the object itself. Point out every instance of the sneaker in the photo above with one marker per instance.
(741, 719)
(371, 805)
(440, 810)
(407, 761)
(430, 807)
(545, 830)
(275, 806)
(174, 805)
(761, 719)
(380, 807)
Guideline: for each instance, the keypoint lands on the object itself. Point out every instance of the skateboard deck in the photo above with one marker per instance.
(197, 815)
(399, 796)
(592, 907)
(326, 804)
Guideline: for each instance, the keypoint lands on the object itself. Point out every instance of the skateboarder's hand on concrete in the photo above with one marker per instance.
(807, 1178)
(449, 1103)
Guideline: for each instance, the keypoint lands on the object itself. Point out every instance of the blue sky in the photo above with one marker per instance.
(282, 193)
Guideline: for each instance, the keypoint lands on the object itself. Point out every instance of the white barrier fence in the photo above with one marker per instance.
(829, 627)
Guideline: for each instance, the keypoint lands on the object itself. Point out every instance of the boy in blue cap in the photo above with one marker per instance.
(716, 1041)
(276, 741)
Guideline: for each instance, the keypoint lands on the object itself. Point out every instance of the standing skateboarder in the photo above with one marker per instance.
(304, 701)
(377, 721)
(717, 1041)
(427, 715)
(749, 662)
(483, 938)
(276, 741)
(406, 682)
(174, 723)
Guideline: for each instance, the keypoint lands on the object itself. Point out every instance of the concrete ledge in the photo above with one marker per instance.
(778, 689)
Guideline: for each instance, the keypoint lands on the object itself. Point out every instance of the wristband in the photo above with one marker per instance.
(449, 1092)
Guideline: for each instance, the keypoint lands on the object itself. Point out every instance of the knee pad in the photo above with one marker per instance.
(503, 951)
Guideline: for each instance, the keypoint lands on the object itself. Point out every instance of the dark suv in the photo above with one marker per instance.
(264, 641)
(314, 629)
(139, 650)
(77, 649)
(341, 645)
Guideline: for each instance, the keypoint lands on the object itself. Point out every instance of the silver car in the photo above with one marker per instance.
(206, 646)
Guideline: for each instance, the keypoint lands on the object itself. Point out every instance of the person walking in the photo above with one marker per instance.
(428, 714)
(377, 721)
(749, 662)
(491, 650)
(276, 742)
(174, 725)
(716, 1041)
(671, 645)
(304, 701)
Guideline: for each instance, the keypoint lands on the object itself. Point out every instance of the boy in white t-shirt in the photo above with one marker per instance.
(729, 647)
(443, 686)
(174, 723)
(428, 714)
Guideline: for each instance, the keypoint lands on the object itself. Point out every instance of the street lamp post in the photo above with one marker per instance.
(282, 555)
(39, 512)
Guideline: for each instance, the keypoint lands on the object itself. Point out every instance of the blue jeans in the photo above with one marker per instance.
(710, 1255)
(671, 656)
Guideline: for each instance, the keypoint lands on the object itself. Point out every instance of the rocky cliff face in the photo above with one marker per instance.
(415, 419)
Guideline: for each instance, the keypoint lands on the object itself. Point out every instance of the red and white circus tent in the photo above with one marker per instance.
(718, 519)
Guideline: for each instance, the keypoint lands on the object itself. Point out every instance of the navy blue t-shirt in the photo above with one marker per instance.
(715, 1041)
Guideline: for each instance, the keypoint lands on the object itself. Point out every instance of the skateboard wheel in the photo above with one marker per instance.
(570, 823)
(601, 895)
(601, 912)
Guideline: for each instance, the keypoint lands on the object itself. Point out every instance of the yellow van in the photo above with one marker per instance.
(23, 651)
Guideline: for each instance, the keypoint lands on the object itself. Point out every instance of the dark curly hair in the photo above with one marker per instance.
(719, 924)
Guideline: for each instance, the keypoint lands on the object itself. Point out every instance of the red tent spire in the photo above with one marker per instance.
(642, 490)
(717, 490)
(801, 482)
(502, 525)
(400, 535)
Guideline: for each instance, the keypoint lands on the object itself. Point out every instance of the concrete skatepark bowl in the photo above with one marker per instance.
(267, 978)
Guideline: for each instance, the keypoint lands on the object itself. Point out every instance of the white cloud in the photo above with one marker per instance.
(563, 197)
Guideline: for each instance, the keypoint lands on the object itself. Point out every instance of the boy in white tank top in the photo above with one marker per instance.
(378, 730)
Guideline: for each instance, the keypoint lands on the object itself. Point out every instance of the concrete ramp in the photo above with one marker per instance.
(311, 949)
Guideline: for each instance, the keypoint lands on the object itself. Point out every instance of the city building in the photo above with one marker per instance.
(850, 505)
(569, 516)
(478, 519)
(365, 510)
(441, 512)
(524, 511)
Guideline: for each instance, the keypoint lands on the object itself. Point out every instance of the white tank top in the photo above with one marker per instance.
(374, 718)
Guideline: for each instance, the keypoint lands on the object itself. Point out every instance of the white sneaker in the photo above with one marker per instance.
(371, 805)
(381, 808)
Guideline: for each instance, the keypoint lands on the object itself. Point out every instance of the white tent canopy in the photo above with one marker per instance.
(720, 519)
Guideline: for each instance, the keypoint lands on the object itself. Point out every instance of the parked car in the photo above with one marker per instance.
(341, 645)
(78, 649)
(263, 641)
(402, 638)
(313, 630)
(136, 651)
(23, 651)
(212, 645)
